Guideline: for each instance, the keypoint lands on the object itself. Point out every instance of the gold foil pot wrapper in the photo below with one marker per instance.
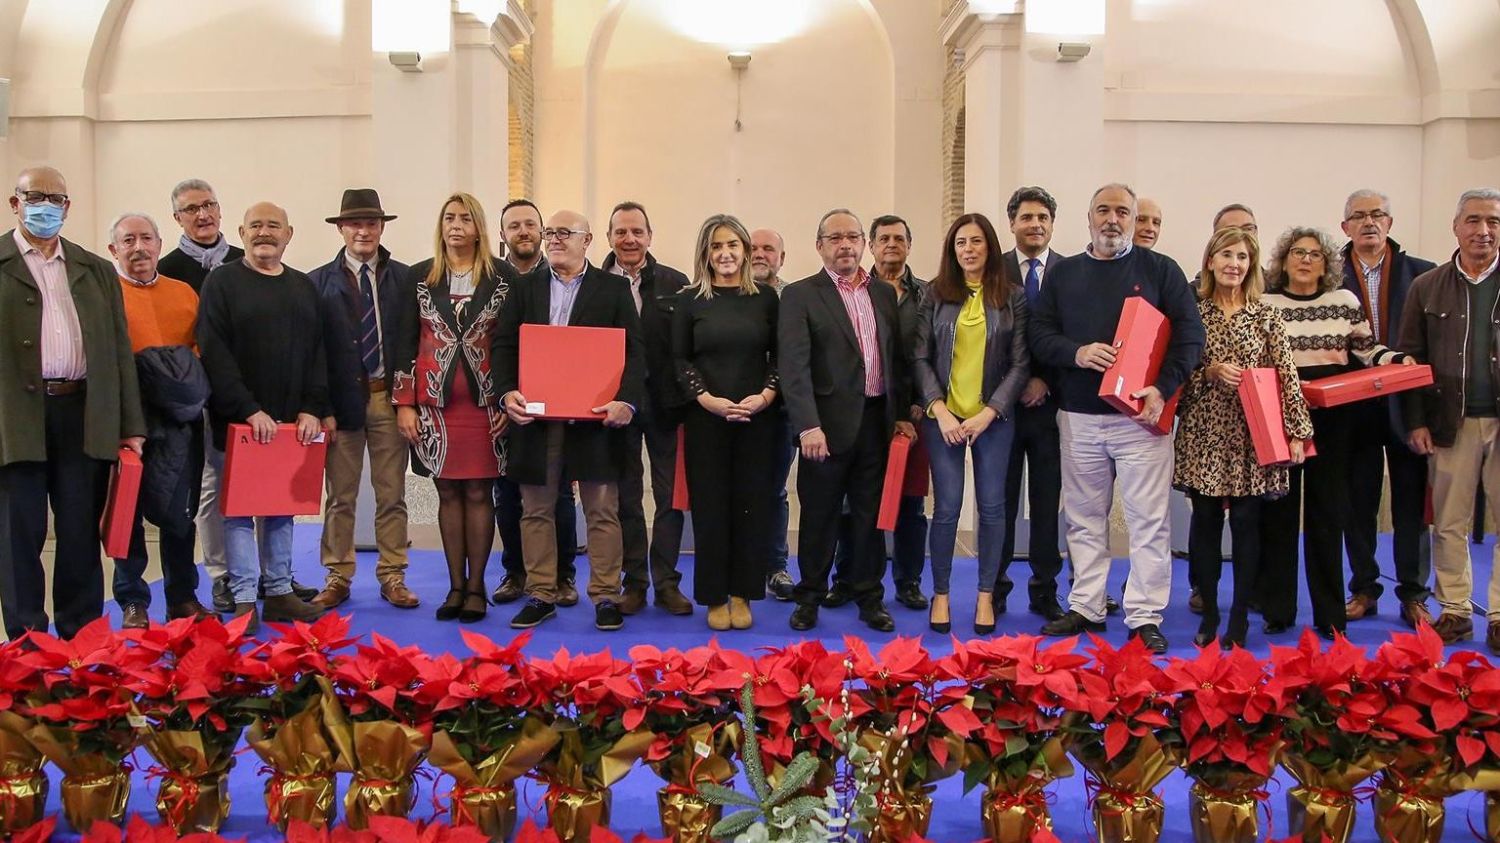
(483, 793)
(87, 799)
(295, 796)
(1323, 801)
(387, 755)
(685, 816)
(702, 755)
(302, 756)
(23, 785)
(1125, 806)
(490, 809)
(572, 814)
(901, 815)
(194, 792)
(1225, 816)
(1015, 807)
(1407, 816)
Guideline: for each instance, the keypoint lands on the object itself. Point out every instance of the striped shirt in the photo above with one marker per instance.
(855, 291)
(62, 339)
(1372, 289)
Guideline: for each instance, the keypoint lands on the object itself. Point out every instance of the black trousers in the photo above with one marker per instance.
(730, 468)
(75, 485)
(908, 543)
(508, 525)
(658, 431)
(177, 538)
(1037, 445)
(1206, 560)
(857, 474)
(1375, 447)
(1319, 503)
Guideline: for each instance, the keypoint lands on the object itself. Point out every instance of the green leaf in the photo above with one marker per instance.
(798, 774)
(802, 807)
(974, 774)
(721, 795)
(733, 824)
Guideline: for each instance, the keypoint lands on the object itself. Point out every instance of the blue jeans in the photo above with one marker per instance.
(249, 565)
(991, 460)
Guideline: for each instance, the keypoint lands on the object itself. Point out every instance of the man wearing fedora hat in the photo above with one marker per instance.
(359, 291)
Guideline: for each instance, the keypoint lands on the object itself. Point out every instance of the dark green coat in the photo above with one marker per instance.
(113, 404)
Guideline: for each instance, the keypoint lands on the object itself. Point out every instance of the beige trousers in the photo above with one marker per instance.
(1455, 474)
(346, 462)
(601, 512)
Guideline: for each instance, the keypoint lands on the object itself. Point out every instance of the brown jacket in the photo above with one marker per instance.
(1435, 330)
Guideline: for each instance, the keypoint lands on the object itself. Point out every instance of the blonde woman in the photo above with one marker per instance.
(724, 344)
(445, 400)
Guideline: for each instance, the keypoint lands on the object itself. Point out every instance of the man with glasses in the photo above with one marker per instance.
(844, 380)
(1380, 273)
(68, 404)
(544, 454)
(202, 246)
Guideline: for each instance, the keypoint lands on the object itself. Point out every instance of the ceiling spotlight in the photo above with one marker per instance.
(1073, 50)
(739, 60)
(408, 62)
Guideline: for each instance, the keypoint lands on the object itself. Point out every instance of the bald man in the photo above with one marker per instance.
(1147, 223)
(260, 331)
(68, 404)
(544, 454)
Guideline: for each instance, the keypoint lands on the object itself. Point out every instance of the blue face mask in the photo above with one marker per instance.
(43, 220)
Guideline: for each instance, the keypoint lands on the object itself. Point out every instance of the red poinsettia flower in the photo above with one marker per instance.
(298, 831)
(403, 830)
(1126, 694)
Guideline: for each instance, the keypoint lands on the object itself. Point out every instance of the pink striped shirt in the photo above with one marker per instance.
(62, 338)
(855, 292)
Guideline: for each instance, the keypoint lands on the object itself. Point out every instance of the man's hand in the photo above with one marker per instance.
(1227, 374)
(133, 443)
(1096, 355)
(1151, 405)
(406, 423)
(308, 428)
(515, 407)
(616, 413)
(498, 423)
(1408, 360)
(916, 414)
(330, 428)
(1419, 440)
(815, 445)
(1034, 393)
(905, 428)
(262, 427)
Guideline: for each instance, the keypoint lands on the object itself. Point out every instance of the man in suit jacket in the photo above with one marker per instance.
(1031, 211)
(68, 404)
(844, 380)
(543, 454)
(361, 292)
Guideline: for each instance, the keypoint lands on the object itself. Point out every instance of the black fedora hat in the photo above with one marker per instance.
(361, 203)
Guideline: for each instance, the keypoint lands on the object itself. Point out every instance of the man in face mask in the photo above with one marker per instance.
(68, 405)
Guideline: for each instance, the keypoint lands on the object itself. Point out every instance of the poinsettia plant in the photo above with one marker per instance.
(1125, 699)
(483, 705)
(82, 698)
(1457, 701)
(193, 676)
(687, 704)
(288, 668)
(530, 833)
(19, 678)
(799, 693)
(1229, 721)
(139, 830)
(383, 680)
(584, 699)
(914, 728)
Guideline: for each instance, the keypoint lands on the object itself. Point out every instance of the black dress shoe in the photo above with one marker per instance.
(1050, 610)
(1150, 635)
(1275, 627)
(878, 618)
(804, 617)
(1071, 623)
(223, 600)
(607, 616)
(1111, 606)
(837, 596)
(910, 595)
(1207, 630)
(1325, 632)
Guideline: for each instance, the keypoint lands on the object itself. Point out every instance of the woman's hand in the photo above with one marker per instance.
(948, 424)
(406, 423)
(1227, 374)
(976, 424)
(751, 404)
(721, 407)
(1298, 449)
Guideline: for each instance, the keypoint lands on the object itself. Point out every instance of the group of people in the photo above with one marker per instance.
(998, 360)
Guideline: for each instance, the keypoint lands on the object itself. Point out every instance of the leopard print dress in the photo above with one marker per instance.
(1215, 455)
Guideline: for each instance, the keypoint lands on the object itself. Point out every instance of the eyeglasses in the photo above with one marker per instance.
(195, 210)
(1314, 255)
(1372, 216)
(559, 233)
(843, 237)
(36, 197)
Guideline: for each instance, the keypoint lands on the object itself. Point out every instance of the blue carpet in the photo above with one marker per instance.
(635, 808)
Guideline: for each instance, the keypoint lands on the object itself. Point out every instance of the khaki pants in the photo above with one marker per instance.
(601, 511)
(1455, 474)
(346, 459)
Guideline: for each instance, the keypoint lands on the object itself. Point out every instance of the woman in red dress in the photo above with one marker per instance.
(445, 400)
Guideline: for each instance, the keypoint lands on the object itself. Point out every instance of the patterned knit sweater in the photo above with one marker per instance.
(1325, 328)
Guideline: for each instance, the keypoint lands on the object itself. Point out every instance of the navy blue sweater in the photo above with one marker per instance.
(1081, 302)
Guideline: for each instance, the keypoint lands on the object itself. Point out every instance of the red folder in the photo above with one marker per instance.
(895, 477)
(918, 471)
(567, 371)
(283, 477)
(119, 509)
(680, 499)
(1365, 383)
(1141, 339)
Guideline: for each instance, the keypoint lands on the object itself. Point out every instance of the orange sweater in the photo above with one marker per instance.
(163, 313)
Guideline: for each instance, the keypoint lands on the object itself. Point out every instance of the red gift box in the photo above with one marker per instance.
(680, 499)
(281, 477)
(918, 471)
(1363, 384)
(567, 371)
(895, 481)
(1140, 344)
(119, 509)
(1260, 397)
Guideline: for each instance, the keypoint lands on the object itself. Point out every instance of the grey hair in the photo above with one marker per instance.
(1115, 185)
(1483, 194)
(1367, 193)
(191, 184)
(835, 212)
(114, 225)
(1333, 259)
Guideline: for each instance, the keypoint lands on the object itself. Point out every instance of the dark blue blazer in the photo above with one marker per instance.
(1404, 269)
(339, 299)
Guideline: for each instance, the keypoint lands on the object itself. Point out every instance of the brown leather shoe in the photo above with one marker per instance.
(335, 593)
(1453, 627)
(191, 609)
(397, 594)
(133, 616)
(632, 601)
(1361, 606)
(673, 600)
(509, 591)
(1195, 602)
(1414, 613)
(252, 628)
(1492, 637)
(288, 608)
(567, 593)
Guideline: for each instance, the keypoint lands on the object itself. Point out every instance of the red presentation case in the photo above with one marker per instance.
(895, 481)
(119, 509)
(1260, 396)
(1365, 383)
(680, 500)
(283, 477)
(918, 470)
(1140, 346)
(567, 371)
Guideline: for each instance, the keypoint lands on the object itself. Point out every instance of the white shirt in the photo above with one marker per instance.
(1041, 266)
(1487, 272)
